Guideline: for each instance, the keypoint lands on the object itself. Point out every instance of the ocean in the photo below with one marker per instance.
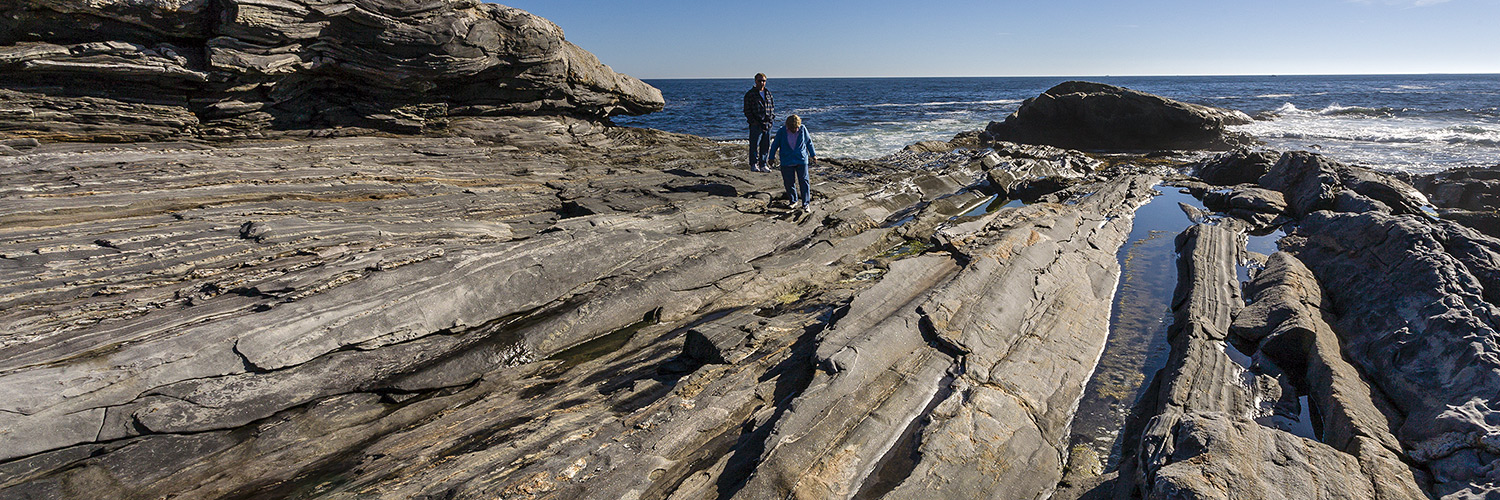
(1413, 123)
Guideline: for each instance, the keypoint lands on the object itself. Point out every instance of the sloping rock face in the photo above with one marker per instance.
(244, 321)
(988, 387)
(1214, 426)
(1430, 345)
(1377, 321)
(1095, 116)
(149, 70)
(577, 312)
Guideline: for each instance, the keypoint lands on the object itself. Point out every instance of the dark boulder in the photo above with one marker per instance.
(154, 69)
(1261, 207)
(1469, 196)
(1474, 188)
(1241, 166)
(1086, 115)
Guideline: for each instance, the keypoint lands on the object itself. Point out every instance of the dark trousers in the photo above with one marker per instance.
(760, 144)
(798, 187)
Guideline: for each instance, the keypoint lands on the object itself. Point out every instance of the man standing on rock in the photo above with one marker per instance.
(760, 111)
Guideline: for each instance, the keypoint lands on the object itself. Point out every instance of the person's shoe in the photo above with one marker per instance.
(807, 207)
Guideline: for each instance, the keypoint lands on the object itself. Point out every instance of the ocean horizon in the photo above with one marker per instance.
(1415, 123)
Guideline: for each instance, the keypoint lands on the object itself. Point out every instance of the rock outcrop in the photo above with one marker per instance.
(1417, 312)
(1241, 166)
(1095, 116)
(1024, 172)
(1220, 427)
(595, 312)
(1312, 182)
(1408, 300)
(1470, 196)
(159, 69)
(531, 306)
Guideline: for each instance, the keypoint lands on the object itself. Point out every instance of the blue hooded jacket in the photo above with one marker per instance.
(799, 155)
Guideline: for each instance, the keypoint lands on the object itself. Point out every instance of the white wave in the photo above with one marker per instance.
(1335, 109)
(1287, 96)
(825, 109)
(877, 139)
(1289, 109)
(1395, 143)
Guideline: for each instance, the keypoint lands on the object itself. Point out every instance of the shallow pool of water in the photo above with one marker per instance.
(1142, 311)
(993, 204)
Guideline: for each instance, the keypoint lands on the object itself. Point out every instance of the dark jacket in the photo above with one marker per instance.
(759, 110)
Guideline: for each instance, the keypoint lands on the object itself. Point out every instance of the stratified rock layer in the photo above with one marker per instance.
(150, 70)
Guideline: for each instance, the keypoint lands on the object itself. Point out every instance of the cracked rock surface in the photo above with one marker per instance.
(121, 71)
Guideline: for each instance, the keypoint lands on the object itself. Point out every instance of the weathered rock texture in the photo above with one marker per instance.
(1408, 300)
(1416, 309)
(573, 311)
(285, 304)
(1023, 172)
(1016, 362)
(119, 70)
(1241, 166)
(1086, 115)
(1470, 196)
(550, 307)
(1312, 182)
(1205, 430)
(1287, 322)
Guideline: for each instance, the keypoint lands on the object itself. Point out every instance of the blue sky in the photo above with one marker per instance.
(838, 38)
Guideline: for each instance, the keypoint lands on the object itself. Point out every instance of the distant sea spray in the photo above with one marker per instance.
(1417, 123)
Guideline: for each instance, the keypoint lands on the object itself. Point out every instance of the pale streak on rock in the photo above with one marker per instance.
(1043, 281)
(877, 374)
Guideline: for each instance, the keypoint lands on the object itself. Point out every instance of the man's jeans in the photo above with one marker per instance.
(796, 181)
(760, 144)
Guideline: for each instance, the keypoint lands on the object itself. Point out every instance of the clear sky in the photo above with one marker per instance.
(832, 38)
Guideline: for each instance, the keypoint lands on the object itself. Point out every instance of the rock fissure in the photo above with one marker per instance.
(361, 312)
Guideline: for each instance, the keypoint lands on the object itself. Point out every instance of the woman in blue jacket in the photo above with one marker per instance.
(793, 144)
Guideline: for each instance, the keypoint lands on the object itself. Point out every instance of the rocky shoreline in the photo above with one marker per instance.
(519, 300)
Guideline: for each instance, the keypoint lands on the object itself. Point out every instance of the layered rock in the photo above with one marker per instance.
(1288, 323)
(1427, 341)
(1086, 115)
(1015, 365)
(1312, 182)
(233, 321)
(127, 71)
(1214, 426)
(1408, 299)
(596, 311)
(1023, 172)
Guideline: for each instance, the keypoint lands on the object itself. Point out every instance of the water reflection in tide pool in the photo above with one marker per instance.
(1137, 345)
